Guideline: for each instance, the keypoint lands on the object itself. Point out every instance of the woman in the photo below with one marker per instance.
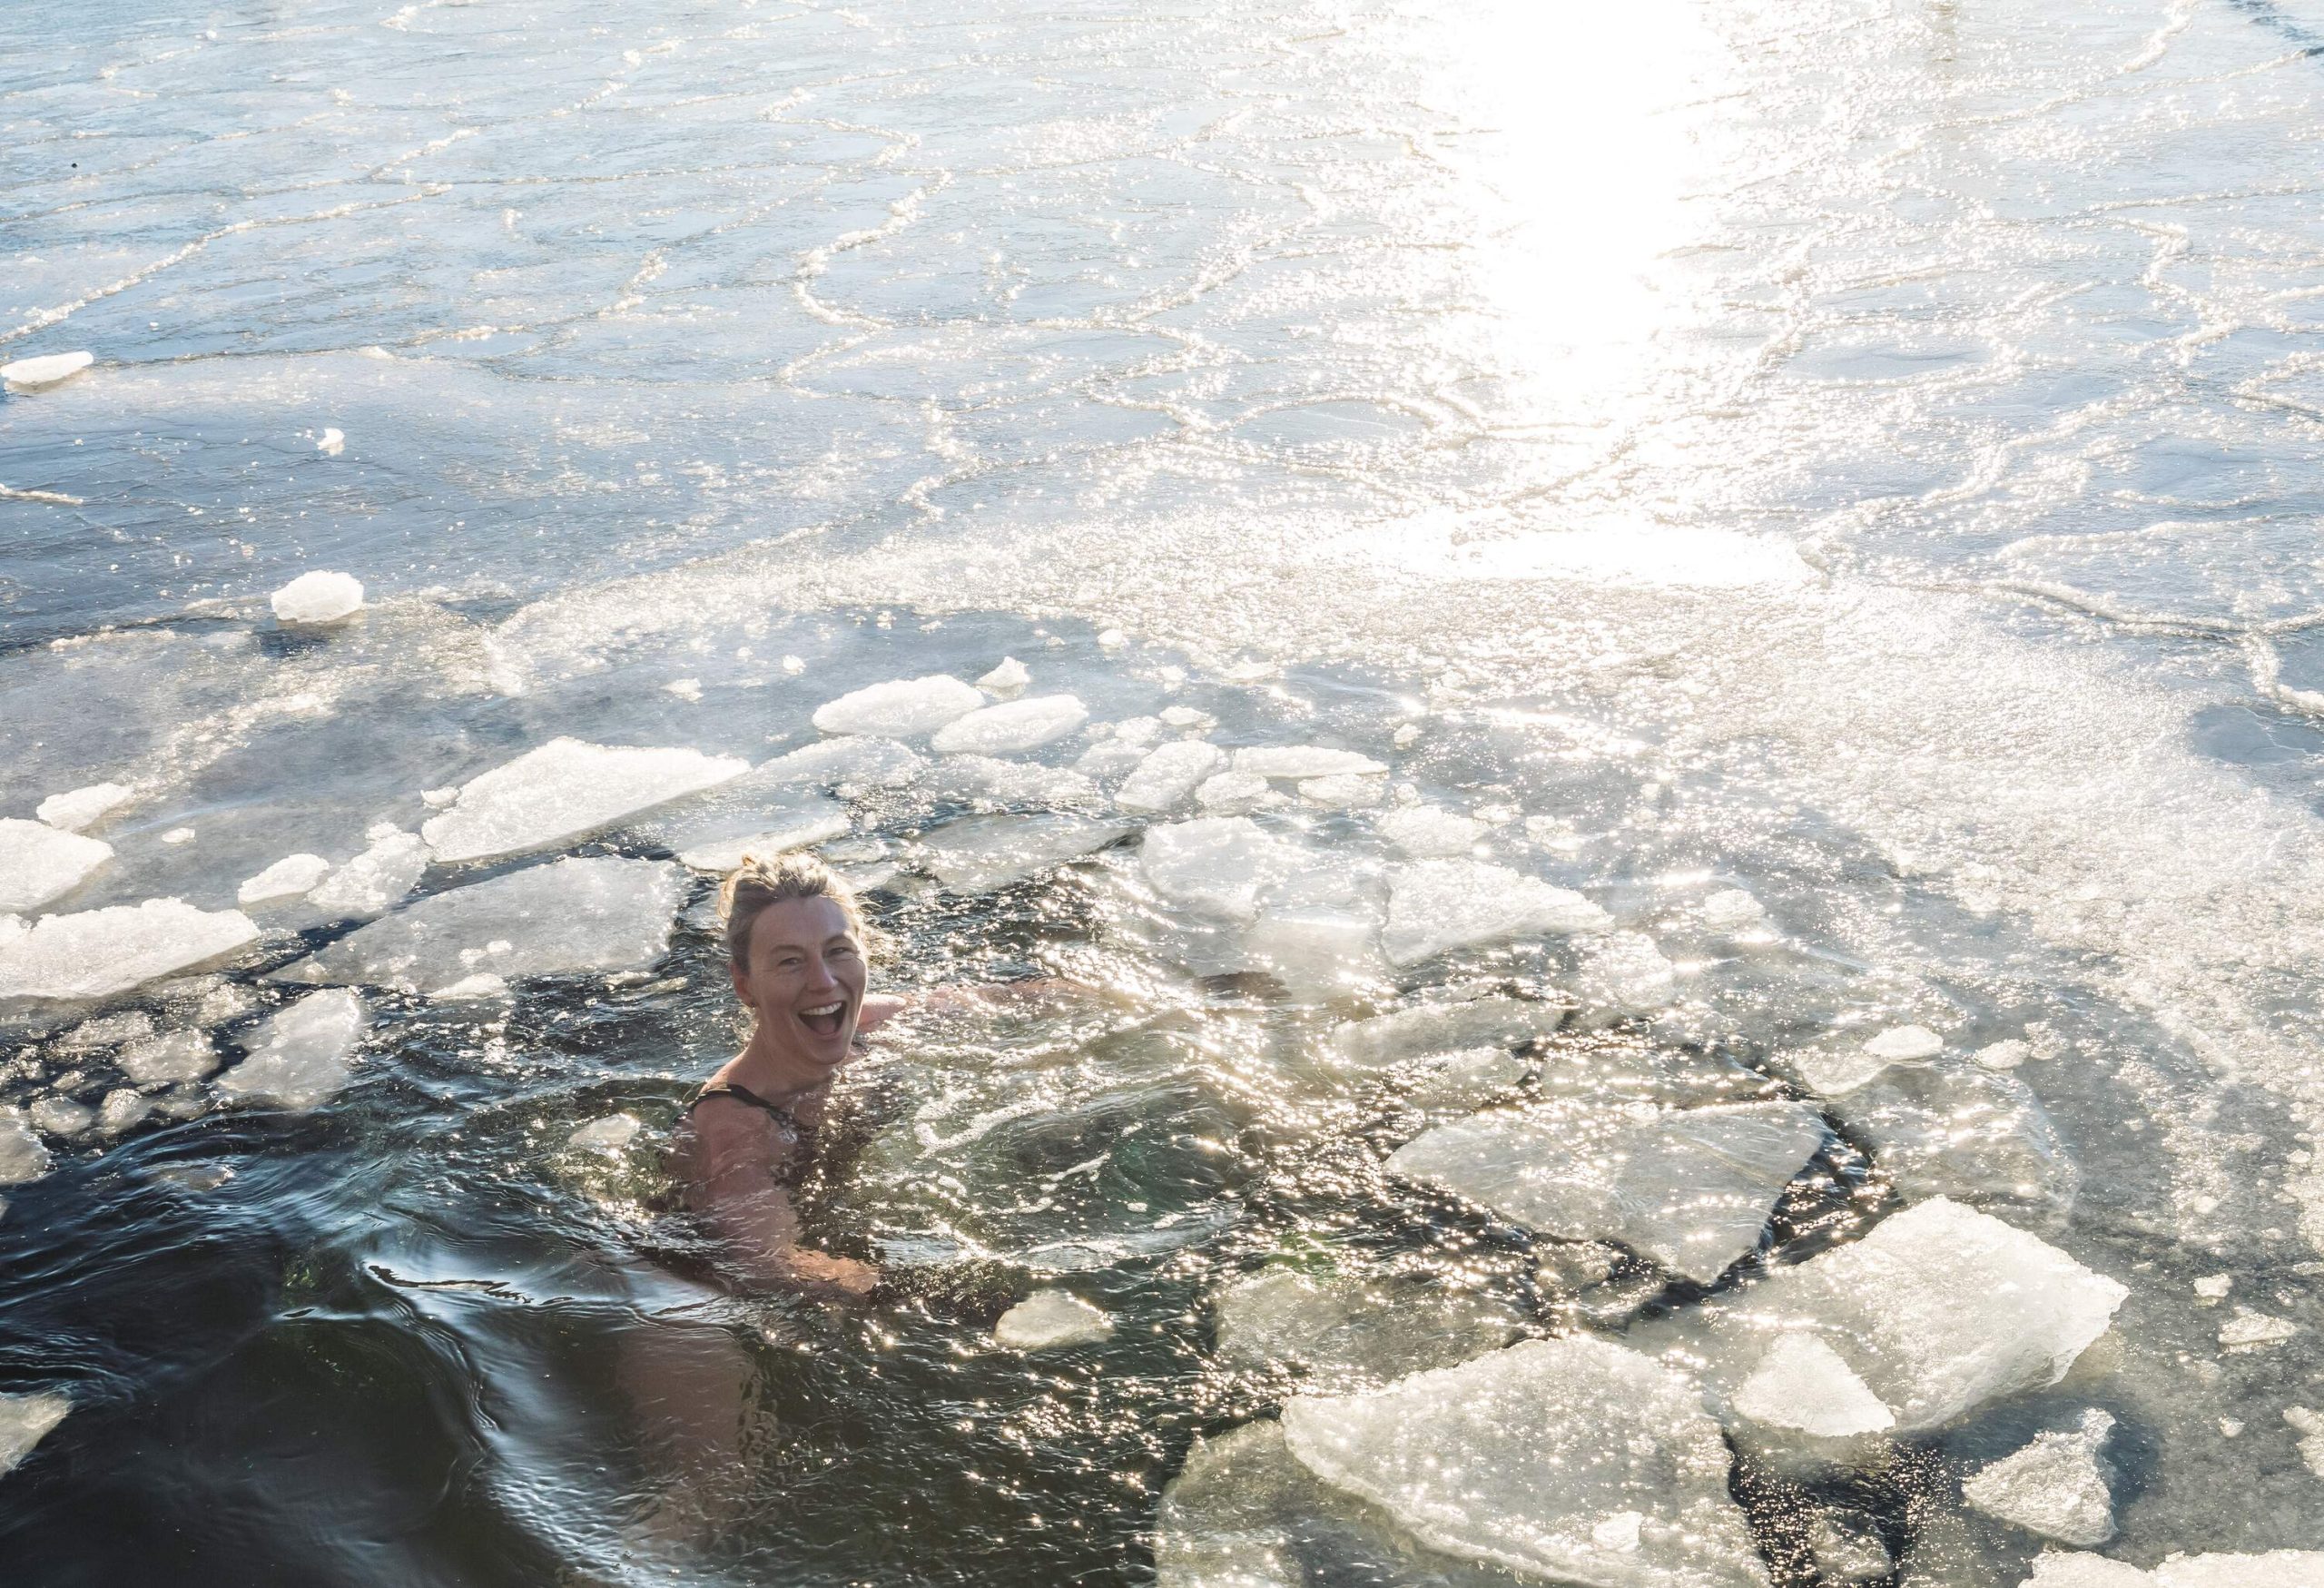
(796, 946)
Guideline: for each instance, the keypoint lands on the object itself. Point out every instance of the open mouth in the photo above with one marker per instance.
(823, 1021)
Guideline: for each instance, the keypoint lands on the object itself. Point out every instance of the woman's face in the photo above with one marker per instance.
(805, 980)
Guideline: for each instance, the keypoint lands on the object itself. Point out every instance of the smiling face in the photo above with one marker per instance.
(805, 980)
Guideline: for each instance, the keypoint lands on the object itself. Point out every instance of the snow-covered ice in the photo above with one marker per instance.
(1168, 774)
(372, 881)
(1299, 763)
(2059, 1486)
(1048, 1320)
(594, 914)
(317, 596)
(1432, 832)
(1216, 865)
(40, 863)
(293, 876)
(1383, 1327)
(566, 790)
(48, 369)
(1011, 727)
(1576, 1460)
(1007, 680)
(22, 1155)
(300, 1055)
(100, 953)
(903, 708)
(979, 853)
(24, 1421)
(331, 442)
(80, 809)
(1691, 1188)
(1438, 905)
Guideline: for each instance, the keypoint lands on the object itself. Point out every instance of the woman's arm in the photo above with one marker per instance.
(738, 1149)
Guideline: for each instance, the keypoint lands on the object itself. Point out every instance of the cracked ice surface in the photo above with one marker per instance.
(1577, 1460)
(566, 790)
(600, 913)
(99, 952)
(1691, 1188)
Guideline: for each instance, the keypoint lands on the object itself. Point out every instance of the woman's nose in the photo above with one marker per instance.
(819, 974)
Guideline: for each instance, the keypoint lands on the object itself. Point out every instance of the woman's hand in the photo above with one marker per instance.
(845, 1275)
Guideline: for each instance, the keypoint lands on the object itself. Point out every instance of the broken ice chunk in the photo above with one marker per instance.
(25, 1420)
(838, 766)
(903, 708)
(1348, 791)
(1574, 1459)
(1436, 905)
(41, 373)
(1957, 1130)
(1847, 1548)
(317, 597)
(293, 876)
(331, 442)
(2277, 1568)
(1299, 763)
(1903, 1044)
(1731, 910)
(173, 1056)
(106, 1030)
(99, 952)
(2057, 1486)
(1624, 975)
(1166, 775)
(1234, 793)
(1440, 1026)
(1317, 951)
(608, 1135)
(22, 1155)
(1691, 1188)
(299, 1056)
(1109, 758)
(122, 1109)
(373, 880)
(597, 913)
(482, 987)
(1011, 726)
(40, 863)
(1432, 832)
(2249, 1331)
(1006, 681)
(1383, 1329)
(566, 790)
(58, 1115)
(1010, 783)
(1050, 1319)
(1802, 1383)
(1216, 865)
(979, 853)
(809, 824)
(78, 810)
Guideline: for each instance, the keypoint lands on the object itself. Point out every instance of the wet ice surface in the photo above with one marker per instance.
(665, 378)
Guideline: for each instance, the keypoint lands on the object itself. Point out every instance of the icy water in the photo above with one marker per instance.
(1827, 489)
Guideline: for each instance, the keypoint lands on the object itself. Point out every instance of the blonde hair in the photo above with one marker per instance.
(756, 883)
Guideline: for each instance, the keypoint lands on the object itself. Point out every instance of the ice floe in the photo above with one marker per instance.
(1954, 1129)
(293, 876)
(60, 1116)
(1438, 905)
(167, 1058)
(24, 1421)
(1235, 793)
(317, 597)
(100, 953)
(840, 767)
(48, 369)
(1349, 792)
(903, 708)
(1576, 1460)
(566, 790)
(1011, 727)
(40, 863)
(80, 809)
(1730, 910)
(2058, 1486)
(1006, 681)
(1691, 1188)
(123, 1107)
(1902, 1044)
(771, 834)
(1049, 1320)
(988, 780)
(1216, 865)
(593, 913)
(1847, 1548)
(1432, 832)
(1165, 776)
(301, 1056)
(1440, 1026)
(22, 1156)
(1941, 1309)
(979, 853)
(1624, 975)
(372, 881)
(2282, 1568)
(2251, 1330)
(1298, 762)
(1802, 1383)
(1383, 1327)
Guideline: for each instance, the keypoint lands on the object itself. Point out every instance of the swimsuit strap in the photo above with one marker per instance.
(728, 1089)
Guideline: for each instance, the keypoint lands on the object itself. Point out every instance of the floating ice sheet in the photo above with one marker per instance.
(24, 1421)
(598, 914)
(841, 766)
(1006, 681)
(1731, 910)
(903, 708)
(1432, 832)
(373, 880)
(317, 597)
(80, 809)
(1691, 1188)
(989, 780)
(293, 876)
(41, 373)
(166, 1058)
(1216, 865)
(2058, 1486)
(301, 1056)
(2282, 1568)
(770, 833)
(100, 953)
(1049, 1320)
(1803, 1384)
(40, 863)
(1301, 762)
(979, 853)
(1957, 1130)
(1440, 1026)
(1382, 1328)
(1168, 774)
(22, 1155)
(1624, 975)
(609, 1135)
(1437, 905)
(566, 790)
(1575, 1460)
(1011, 727)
